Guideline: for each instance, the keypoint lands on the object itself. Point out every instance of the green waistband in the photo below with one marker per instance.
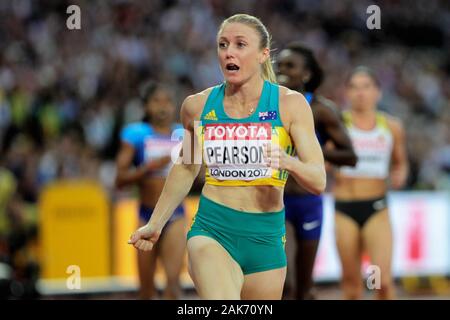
(240, 222)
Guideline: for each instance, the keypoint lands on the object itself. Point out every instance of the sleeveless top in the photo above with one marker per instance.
(372, 147)
(150, 145)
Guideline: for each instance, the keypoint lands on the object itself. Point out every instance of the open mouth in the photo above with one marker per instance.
(232, 67)
(282, 78)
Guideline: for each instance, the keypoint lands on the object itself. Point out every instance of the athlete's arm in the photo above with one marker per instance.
(183, 173)
(180, 179)
(308, 169)
(125, 176)
(399, 163)
(343, 153)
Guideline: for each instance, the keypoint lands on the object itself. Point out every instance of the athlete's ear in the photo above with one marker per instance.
(265, 54)
(306, 76)
(380, 95)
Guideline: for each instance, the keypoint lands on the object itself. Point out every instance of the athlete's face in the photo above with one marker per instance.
(160, 107)
(291, 70)
(240, 53)
(362, 92)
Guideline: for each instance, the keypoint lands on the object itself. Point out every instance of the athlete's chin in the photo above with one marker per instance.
(237, 79)
(233, 76)
(234, 80)
(360, 106)
(163, 119)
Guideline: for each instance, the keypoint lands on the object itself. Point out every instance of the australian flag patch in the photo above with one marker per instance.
(267, 115)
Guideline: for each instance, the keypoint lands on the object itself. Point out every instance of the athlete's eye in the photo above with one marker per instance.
(222, 45)
(287, 65)
(241, 44)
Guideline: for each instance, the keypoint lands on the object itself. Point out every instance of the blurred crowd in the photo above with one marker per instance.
(65, 94)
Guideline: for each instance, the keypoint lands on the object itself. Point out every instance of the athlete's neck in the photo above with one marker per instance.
(364, 118)
(366, 113)
(246, 93)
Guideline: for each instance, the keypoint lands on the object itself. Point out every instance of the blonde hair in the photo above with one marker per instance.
(265, 39)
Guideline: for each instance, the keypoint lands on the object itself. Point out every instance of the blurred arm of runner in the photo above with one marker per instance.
(309, 169)
(399, 165)
(180, 178)
(343, 153)
(125, 176)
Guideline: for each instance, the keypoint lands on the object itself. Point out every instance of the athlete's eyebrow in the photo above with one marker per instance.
(236, 37)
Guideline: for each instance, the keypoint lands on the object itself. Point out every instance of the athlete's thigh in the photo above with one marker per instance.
(172, 247)
(377, 237)
(265, 285)
(348, 241)
(215, 273)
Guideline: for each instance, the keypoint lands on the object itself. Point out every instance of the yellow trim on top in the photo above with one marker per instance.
(241, 183)
(380, 120)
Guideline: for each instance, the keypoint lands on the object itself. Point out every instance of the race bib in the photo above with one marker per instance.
(157, 148)
(374, 155)
(235, 151)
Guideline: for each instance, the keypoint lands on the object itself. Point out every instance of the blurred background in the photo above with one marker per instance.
(65, 95)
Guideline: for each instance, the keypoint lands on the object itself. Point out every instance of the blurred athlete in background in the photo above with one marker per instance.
(147, 146)
(299, 70)
(362, 220)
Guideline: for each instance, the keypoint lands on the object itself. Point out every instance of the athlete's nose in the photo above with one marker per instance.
(229, 53)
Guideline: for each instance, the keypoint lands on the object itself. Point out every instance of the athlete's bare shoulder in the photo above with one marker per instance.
(326, 110)
(293, 106)
(285, 91)
(395, 123)
(192, 106)
(291, 98)
(326, 104)
(195, 102)
(292, 102)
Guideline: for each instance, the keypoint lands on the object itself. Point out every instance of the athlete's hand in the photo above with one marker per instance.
(158, 163)
(275, 157)
(145, 237)
(398, 178)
